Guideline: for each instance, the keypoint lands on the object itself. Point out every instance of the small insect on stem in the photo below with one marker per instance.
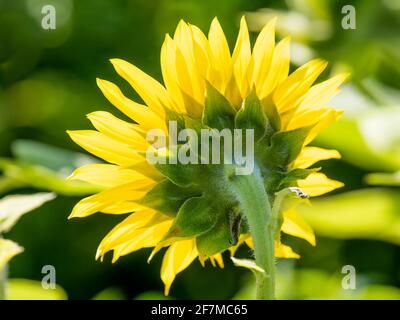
(235, 221)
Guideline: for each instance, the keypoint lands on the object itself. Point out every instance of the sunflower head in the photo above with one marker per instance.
(189, 206)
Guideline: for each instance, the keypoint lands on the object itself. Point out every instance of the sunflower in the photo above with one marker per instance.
(196, 211)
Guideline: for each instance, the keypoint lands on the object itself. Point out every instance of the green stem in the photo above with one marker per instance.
(3, 279)
(255, 206)
(3, 282)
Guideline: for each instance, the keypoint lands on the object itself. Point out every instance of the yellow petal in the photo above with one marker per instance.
(184, 44)
(294, 119)
(319, 118)
(186, 79)
(183, 74)
(249, 242)
(295, 225)
(212, 261)
(184, 40)
(241, 59)
(318, 183)
(98, 202)
(147, 170)
(8, 250)
(137, 112)
(221, 62)
(262, 53)
(176, 259)
(145, 237)
(311, 155)
(284, 251)
(278, 70)
(104, 147)
(232, 93)
(321, 93)
(106, 175)
(201, 50)
(123, 207)
(123, 231)
(330, 116)
(151, 91)
(234, 248)
(281, 250)
(215, 260)
(169, 72)
(218, 258)
(134, 221)
(118, 129)
(289, 92)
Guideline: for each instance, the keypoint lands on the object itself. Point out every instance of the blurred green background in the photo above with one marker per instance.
(47, 85)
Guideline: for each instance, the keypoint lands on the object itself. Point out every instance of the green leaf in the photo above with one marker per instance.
(42, 178)
(152, 295)
(380, 292)
(13, 207)
(384, 179)
(286, 146)
(8, 250)
(251, 116)
(23, 289)
(112, 293)
(53, 158)
(218, 112)
(167, 197)
(365, 141)
(215, 240)
(9, 183)
(362, 214)
(195, 217)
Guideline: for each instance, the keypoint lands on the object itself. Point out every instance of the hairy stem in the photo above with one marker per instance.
(255, 206)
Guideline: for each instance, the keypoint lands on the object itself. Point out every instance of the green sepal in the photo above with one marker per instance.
(183, 175)
(272, 113)
(174, 116)
(292, 176)
(194, 124)
(276, 180)
(251, 116)
(285, 147)
(217, 239)
(193, 107)
(218, 112)
(195, 217)
(272, 179)
(166, 197)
